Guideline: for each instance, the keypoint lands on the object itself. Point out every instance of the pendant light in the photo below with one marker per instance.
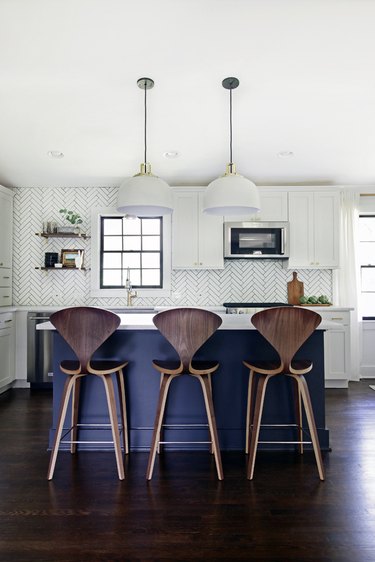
(144, 194)
(231, 194)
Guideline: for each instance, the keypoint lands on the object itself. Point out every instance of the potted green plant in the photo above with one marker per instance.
(73, 218)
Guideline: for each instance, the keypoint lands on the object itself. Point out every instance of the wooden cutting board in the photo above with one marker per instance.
(295, 290)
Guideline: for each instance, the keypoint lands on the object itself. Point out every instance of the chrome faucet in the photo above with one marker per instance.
(129, 289)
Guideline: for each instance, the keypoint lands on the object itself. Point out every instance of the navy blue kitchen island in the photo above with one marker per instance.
(138, 342)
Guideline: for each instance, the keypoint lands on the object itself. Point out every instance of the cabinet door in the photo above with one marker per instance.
(273, 207)
(314, 229)
(184, 230)
(6, 349)
(301, 217)
(6, 227)
(336, 348)
(326, 229)
(210, 235)
(5, 277)
(197, 239)
(335, 356)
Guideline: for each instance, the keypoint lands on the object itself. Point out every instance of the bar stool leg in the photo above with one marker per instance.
(207, 393)
(311, 423)
(258, 410)
(249, 409)
(76, 391)
(68, 386)
(159, 447)
(124, 416)
(210, 381)
(163, 394)
(110, 393)
(298, 413)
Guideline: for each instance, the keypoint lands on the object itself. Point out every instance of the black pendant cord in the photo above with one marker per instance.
(230, 132)
(145, 131)
(230, 84)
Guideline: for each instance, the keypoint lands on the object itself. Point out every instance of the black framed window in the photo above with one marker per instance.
(134, 247)
(367, 264)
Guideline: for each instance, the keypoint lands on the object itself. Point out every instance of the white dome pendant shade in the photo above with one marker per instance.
(231, 194)
(144, 194)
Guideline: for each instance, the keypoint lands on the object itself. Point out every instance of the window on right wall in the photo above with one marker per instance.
(367, 264)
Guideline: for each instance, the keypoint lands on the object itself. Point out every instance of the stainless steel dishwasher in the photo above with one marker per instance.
(39, 351)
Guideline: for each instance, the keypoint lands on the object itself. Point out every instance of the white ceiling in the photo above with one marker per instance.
(68, 73)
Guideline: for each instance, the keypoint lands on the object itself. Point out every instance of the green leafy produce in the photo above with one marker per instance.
(322, 299)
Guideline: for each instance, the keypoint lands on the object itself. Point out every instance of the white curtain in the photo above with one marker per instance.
(347, 277)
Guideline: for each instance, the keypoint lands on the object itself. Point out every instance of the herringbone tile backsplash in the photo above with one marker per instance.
(239, 281)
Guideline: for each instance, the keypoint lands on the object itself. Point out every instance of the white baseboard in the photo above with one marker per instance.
(336, 383)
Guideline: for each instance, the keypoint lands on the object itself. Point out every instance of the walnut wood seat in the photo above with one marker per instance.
(186, 329)
(85, 329)
(286, 329)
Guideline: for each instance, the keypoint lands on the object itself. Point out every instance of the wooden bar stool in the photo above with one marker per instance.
(85, 329)
(186, 329)
(286, 329)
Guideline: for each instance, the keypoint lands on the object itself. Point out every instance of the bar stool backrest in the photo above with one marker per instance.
(85, 329)
(187, 329)
(286, 329)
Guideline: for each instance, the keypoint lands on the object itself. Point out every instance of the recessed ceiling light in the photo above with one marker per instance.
(285, 154)
(171, 154)
(55, 154)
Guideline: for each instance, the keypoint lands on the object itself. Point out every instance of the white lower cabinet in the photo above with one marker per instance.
(7, 351)
(197, 239)
(337, 349)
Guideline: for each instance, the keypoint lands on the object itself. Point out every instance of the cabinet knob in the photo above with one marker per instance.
(1, 264)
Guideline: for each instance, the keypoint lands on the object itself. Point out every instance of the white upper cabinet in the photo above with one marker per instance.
(197, 239)
(273, 207)
(314, 229)
(6, 227)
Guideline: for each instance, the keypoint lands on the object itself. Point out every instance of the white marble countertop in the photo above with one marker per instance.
(230, 322)
(132, 309)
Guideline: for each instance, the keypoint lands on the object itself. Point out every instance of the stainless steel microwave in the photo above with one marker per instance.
(261, 240)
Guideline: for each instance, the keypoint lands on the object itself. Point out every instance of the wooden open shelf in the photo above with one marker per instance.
(62, 235)
(62, 268)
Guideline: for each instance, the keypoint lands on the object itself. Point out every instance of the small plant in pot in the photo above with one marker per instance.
(73, 218)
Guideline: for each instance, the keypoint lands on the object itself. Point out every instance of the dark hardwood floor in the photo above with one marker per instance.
(185, 513)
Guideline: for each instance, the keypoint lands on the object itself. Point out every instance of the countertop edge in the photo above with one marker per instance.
(230, 322)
